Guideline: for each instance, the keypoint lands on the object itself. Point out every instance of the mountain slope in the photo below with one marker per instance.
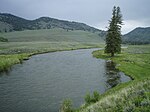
(138, 36)
(9, 22)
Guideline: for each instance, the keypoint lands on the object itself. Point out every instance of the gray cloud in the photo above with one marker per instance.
(92, 12)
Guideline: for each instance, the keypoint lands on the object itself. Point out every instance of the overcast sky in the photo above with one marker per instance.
(136, 13)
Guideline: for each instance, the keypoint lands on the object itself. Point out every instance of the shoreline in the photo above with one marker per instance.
(129, 64)
(26, 56)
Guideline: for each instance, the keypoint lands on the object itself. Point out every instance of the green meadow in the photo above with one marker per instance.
(53, 35)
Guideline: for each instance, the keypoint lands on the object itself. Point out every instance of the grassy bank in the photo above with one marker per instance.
(133, 61)
(15, 52)
(31, 47)
(6, 61)
(133, 96)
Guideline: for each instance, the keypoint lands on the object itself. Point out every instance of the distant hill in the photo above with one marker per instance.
(137, 36)
(9, 22)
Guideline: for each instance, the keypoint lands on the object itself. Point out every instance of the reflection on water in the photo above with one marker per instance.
(5, 73)
(113, 75)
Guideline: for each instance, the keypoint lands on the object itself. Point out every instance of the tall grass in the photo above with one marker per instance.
(7, 61)
(132, 98)
(66, 106)
(53, 35)
(30, 47)
(12, 52)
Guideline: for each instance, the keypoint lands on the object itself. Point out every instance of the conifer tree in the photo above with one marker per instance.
(113, 37)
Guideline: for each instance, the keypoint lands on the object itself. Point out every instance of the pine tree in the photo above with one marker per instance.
(113, 38)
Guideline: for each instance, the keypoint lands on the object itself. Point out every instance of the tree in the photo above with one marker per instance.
(113, 37)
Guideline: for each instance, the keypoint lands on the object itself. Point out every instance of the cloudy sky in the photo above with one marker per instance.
(136, 13)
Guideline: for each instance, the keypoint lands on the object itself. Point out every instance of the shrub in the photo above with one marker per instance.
(2, 39)
(96, 96)
(92, 99)
(66, 106)
(87, 98)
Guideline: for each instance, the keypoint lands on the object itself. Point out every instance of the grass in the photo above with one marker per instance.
(136, 65)
(30, 47)
(41, 41)
(55, 39)
(53, 35)
(6, 61)
(11, 53)
(133, 96)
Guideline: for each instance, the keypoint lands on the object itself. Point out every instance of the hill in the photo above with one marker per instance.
(9, 22)
(53, 35)
(46, 40)
(45, 34)
(137, 36)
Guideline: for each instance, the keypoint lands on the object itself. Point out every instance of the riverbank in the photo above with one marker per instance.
(130, 96)
(6, 61)
(9, 57)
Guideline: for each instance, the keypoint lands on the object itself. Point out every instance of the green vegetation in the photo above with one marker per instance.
(10, 52)
(66, 106)
(133, 63)
(91, 99)
(2, 39)
(137, 36)
(113, 37)
(53, 35)
(7, 61)
(133, 96)
(41, 41)
(9, 22)
(129, 97)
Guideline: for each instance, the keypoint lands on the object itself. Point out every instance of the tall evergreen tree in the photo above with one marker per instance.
(113, 38)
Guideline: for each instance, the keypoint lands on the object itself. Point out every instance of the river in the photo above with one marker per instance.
(41, 83)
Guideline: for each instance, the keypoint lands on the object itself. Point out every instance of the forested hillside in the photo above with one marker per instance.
(138, 36)
(9, 22)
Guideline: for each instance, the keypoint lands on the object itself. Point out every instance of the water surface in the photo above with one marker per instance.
(41, 83)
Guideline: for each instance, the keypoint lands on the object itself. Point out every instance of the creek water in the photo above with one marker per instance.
(41, 83)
